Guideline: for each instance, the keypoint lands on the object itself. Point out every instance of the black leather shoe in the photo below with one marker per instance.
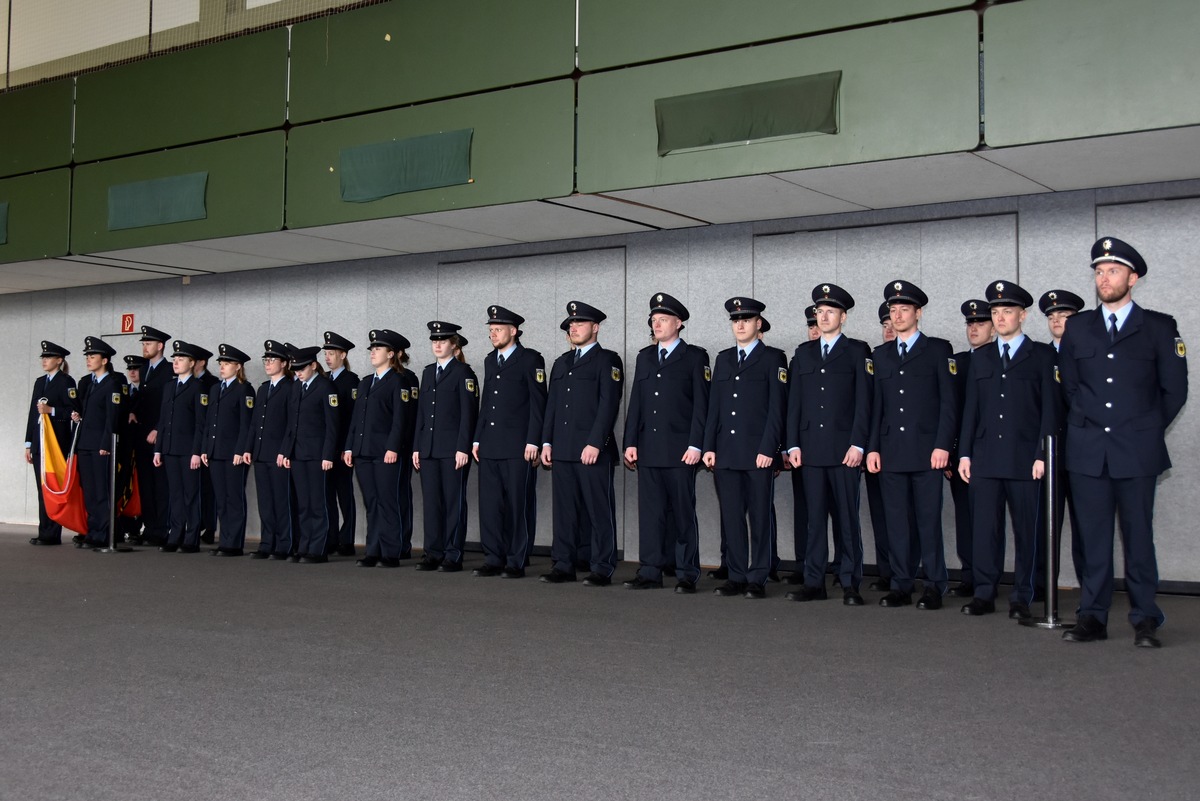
(226, 552)
(963, 590)
(639, 583)
(730, 589)
(1145, 636)
(78, 540)
(684, 587)
(930, 599)
(720, 574)
(314, 559)
(807, 593)
(1019, 611)
(1086, 629)
(260, 555)
(450, 567)
(295, 557)
(896, 598)
(280, 557)
(596, 580)
(426, 565)
(512, 573)
(40, 541)
(345, 550)
(163, 548)
(755, 591)
(368, 561)
(189, 549)
(487, 571)
(880, 585)
(385, 561)
(852, 598)
(978, 607)
(557, 576)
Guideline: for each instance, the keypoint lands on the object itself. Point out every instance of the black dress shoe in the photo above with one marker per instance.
(685, 587)
(295, 557)
(40, 541)
(557, 576)
(978, 607)
(280, 557)
(367, 561)
(163, 548)
(1145, 636)
(721, 573)
(1019, 611)
(639, 583)
(386, 561)
(730, 589)
(807, 593)
(512, 573)
(189, 549)
(487, 571)
(314, 559)
(345, 550)
(426, 565)
(78, 540)
(1086, 629)
(880, 585)
(596, 580)
(227, 552)
(963, 590)
(896, 598)
(450, 567)
(852, 598)
(930, 599)
(260, 555)
(755, 591)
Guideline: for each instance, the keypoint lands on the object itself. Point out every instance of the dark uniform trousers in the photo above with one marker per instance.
(505, 525)
(99, 406)
(206, 499)
(444, 498)
(339, 483)
(585, 490)
(960, 492)
(669, 534)
(1122, 396)
(272, 483)
(184, 483)
(152, 481)
(448, 407)
(747, 495)
(229, 499)
(915, 412)
(313, 513)
(382, 416)
(833, 492)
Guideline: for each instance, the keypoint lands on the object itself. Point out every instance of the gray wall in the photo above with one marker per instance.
(952, 251)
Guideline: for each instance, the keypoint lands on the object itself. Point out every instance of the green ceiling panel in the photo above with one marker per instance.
(908, 89)
(617, 32)
(1067, 69)
(398, 53)
(39, 216)
(521, 149)
(231, 87)
(35, 128)
(243, 194)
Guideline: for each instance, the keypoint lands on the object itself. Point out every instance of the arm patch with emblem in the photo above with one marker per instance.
(540, 375)
(471, 385)
(707, 373)
(616, 374)
(203, 400)
(333, 400)
(116, 397)
(953, 365)
(782, 375)
(870, 367)
(249, 402)
(1180, 348)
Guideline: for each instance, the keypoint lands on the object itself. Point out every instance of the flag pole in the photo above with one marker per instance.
(112, 503)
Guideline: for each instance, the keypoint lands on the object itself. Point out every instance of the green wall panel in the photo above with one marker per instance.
(231, 87)
(616, 32)
(907, 89)
(521, 149)
(39, 216)
(244, 193)
(35, 128)
(1065, 69)
(406, 52)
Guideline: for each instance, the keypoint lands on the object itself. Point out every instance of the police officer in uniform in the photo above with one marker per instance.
(152, 480)
(226, 432)
(131, 432)
(742, 438)
(664, 435)
(208, 511)
(1124, 372)
(1011, 407)
(309, 448)
(339, 482)
(177, 448)
(577, 440)
(506, 447)
(97, 409)
(914, 424)
(447, 410)
(53, 394)
(828, 423)
(875, 505)
(264, 450)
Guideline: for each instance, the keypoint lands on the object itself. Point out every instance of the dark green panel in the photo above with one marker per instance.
(382, 169)
(35, 128)
(618, 32)
(159, 201)
(403, 52)
(244, 193)
(231, 87)
(522, 148)
(39, 216)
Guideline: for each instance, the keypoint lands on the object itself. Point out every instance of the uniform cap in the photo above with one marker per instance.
(662, 303)
(228, 353)
(97, 345)
(1007, 293)
(277, 350)
(382, 337)
(1060, 300)
(50, 349)
(976, 310)
(742, 308)
(498, 315)
(885, 313)
(810, 315)
(1109, 248)
(904, 292)
(187, 349)
(766, 325)
(335, 341)
(153, 335)
(832, 295)
(302, 357)
(442, 330)
(135, 362)
(201, 354)
(578, 310)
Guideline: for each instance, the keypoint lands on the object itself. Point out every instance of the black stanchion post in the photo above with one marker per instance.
(112, 502)
(1052, 498)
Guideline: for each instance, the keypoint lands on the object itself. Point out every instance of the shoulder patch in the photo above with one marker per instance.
(953, 366)
(124, 389)
(333, 400)
(404, 395)
(413, 393)
(116, 397)
(540, 375)
(1180, 348)
(707, 373)
(616, 374)
(249, 401)
(471, 385)
(870, 367)
(782, 375)
(71, 392)
(354, 394)
(1057, 375)
(203, 400)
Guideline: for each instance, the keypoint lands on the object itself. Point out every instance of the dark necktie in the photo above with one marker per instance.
(825, 351)
(1004, 358)
(438, 378)
(741, 358)
(662, 356)
(178, 387)
(1112, 330)
(578, 354)
(499, 361)
(903, 351)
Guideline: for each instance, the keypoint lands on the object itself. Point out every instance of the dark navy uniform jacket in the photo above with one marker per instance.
(747, 407)
(514, 405)
(60, 396)
(1122, 395)
(1008, 414)
(829, 402)
(227, 423)
(312, 421)
(269, 425)
(582, 403)
(346, 386)
(668, 407)
(914, 409)
(181, 419)
(152, 385)
(100, 407)
(448, 411)
(384, 416)
(962, 360)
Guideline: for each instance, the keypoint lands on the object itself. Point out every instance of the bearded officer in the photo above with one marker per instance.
(152, 479)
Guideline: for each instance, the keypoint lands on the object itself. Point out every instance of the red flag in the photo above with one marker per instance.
(60, 483)
(129, 503)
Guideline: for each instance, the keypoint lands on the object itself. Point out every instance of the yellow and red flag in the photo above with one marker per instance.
(60, 483)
